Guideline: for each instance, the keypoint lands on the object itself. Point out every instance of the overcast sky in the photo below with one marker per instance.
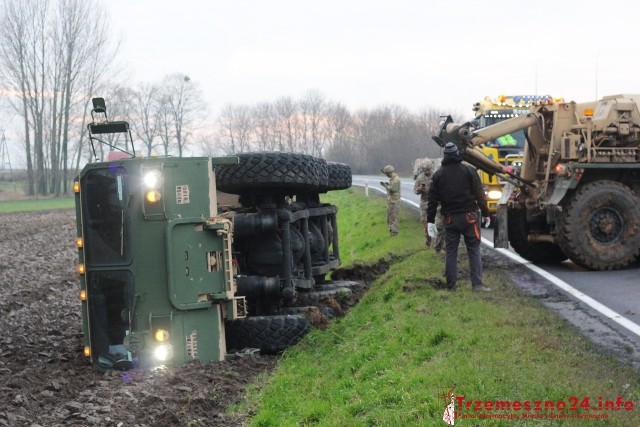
(365, 53)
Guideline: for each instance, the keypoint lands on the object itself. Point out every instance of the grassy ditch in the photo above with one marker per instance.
(390, 359)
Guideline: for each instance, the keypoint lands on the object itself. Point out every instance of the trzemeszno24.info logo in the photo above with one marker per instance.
(458, 407)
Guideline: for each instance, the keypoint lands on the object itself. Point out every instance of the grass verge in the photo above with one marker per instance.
(390, 359)
(36, 205)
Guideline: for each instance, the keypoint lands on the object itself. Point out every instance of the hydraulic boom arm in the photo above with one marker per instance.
(468, 139)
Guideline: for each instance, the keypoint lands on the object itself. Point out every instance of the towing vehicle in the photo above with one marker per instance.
(170, 273)
(506, 149)
(576, 194)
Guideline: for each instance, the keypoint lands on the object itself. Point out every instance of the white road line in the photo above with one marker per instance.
(599, 307)
(380, 190)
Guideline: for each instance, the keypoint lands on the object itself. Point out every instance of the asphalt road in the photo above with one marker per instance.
(612, 297)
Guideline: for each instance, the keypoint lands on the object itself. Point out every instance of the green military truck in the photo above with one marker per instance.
(188, 258)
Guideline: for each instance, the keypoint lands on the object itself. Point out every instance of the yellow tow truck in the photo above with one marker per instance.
(507, 149)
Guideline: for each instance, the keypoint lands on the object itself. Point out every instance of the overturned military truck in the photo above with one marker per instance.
(577, 193)
(188, 258)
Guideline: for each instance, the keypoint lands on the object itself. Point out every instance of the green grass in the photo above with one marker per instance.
(389, 359)
(36, 205)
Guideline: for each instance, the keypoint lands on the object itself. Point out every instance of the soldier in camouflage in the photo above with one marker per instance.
(393, 198)
(421, 187)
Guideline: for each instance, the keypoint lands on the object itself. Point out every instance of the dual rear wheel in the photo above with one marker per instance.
(599, 229)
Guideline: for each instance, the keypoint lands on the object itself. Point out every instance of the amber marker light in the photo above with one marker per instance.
(79, 242)
(161, 335)
(83, 295)
(80, 268)
(86, 352)
(588, 112)
(152, 196)
(76, 186)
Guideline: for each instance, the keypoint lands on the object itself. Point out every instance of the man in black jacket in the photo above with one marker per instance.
(457, 188)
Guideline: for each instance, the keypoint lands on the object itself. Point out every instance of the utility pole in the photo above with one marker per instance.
(5, 159)
(4, 154)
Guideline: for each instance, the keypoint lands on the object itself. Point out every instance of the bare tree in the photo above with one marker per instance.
(47, 50)
(312, 109)
(146, 122)
(182, 101)
(15, 32)
(25, 51)
(235, 127)
(226, 128)
(287, 112)
(165, 124)
(264, 125)
(80, 29)
(210, 146)
(340, 121)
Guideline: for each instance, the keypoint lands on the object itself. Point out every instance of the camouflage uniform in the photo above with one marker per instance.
(393, 198)
(421, 187)
(440, 227)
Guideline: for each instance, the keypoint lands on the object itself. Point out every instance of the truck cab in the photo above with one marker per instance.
(156, 263)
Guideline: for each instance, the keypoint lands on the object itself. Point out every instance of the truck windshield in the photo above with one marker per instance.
(105, 200)
(513, 140)
(111, 306)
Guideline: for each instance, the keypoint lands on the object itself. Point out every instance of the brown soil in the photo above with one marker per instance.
(45, 381)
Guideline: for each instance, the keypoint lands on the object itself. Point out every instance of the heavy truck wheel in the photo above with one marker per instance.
(270, 334)
(272, 170)
(539, 252)
(340, 177)
(316, 297)
(600, 227)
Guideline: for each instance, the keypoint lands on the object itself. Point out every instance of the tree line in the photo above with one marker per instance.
(366, 139)
(56, 54)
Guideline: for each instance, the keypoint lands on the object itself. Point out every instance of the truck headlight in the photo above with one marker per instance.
(163, 352)
(494, 194)
(152, 179)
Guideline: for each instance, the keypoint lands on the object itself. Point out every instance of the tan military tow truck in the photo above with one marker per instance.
(576, 194)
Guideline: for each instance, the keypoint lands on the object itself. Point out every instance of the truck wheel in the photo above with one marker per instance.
(600, 226)
(339, 177)
(272, 170)
(539, 252)
(316, 297)
(270, 334)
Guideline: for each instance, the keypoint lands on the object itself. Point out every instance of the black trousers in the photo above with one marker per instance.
(468, 226)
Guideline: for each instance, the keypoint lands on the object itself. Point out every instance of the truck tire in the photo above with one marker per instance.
(600, 226)
(272, 170)
(271, 334)
(316, 297)
(538, 252)
(340, 177)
